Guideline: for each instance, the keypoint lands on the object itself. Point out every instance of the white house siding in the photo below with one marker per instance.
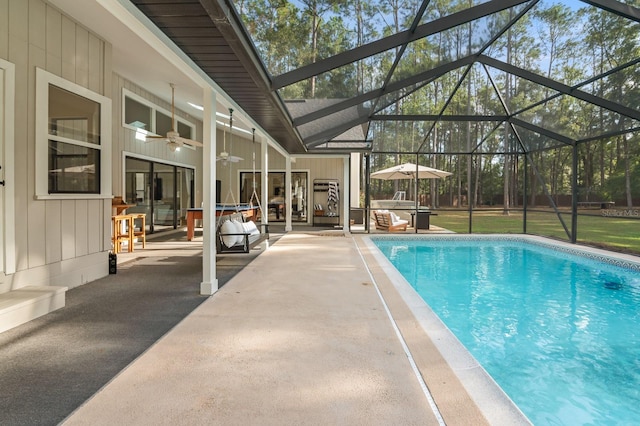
(58, 242)
(124, 139)
(229, 174)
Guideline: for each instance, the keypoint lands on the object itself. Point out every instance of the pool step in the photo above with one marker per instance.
(27, 303)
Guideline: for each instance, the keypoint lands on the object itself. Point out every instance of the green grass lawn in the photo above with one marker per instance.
(615, 233)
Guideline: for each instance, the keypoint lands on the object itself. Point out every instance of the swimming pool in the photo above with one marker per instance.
(557, 328)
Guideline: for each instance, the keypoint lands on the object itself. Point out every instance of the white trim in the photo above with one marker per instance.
(209, 284)
(143, 157)
(308, 195)
(43, 80)
(345, 197)
(316, 156)
(141, 100)
(7, 172)
(155, 160)
(280, 150)
(74, 196)
(69, 273)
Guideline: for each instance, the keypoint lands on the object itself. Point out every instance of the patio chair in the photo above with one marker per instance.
(389, 221)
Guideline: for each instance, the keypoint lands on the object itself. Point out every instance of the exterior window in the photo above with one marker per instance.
(72, 119)
(137, 114)
(73, 140)
(73, 169)
(185, 130)
(163, 123)
(147, 118)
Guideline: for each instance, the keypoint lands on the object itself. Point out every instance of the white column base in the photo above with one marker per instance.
(208, 288)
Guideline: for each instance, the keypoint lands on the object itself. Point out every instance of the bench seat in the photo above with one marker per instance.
(233, 240)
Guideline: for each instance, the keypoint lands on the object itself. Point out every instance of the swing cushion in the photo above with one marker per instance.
(239, 229)
(251, 228)
(228, 227)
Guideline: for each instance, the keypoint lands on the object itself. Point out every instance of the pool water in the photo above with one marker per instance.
(560, 333)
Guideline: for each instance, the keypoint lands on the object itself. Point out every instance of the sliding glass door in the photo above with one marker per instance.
(274, 206)
(161, 191)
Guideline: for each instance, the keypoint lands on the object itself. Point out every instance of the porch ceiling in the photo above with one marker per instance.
(208, 34)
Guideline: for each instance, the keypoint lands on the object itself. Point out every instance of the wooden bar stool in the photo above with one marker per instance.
(122, 232)
(141, 234)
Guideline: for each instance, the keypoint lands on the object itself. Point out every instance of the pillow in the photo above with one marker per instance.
(228, 227)
(250, 228)
(394, 217)
(239, 229)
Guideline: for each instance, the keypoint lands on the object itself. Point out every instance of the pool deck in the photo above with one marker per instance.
(300, 335)
(313, 330)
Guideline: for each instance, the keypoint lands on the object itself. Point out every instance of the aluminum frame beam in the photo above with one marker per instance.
(436, 117)
(560, 87)
(541, 130)
(398, 85)
(392, 41)
(620, 9)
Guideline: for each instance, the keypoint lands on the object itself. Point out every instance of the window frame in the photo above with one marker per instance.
(126, 93)
(43, 80)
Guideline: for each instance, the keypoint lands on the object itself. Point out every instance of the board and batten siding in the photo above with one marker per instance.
(124, 139)
(58, 242)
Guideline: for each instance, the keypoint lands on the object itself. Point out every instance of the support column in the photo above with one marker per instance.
(367, 189)
(288, 198)
(209, 284)
(415, 193)
(345, 194)
(574, 195)
(264, 182)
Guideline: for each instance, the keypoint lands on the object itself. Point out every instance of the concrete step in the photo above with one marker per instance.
(27, 303)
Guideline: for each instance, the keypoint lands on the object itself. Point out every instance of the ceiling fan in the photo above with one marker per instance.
(173, 138)
(224, 156)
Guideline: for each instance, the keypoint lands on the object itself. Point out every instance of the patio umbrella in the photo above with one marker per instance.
(409, 171)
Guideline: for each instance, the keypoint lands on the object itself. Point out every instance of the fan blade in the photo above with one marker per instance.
(191, 142)
(224, 156)
(175, 141)
(229, 160)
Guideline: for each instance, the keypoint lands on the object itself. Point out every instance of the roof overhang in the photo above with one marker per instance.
(209, 33)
